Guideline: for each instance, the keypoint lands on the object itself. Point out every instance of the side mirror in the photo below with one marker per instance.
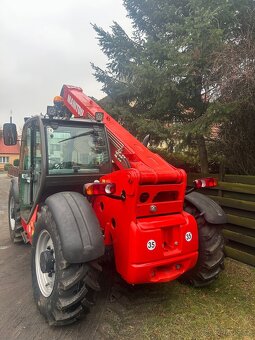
(10, 134)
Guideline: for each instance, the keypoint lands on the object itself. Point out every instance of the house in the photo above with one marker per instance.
(8, 153)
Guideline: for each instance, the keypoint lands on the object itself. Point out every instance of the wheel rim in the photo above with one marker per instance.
(45, 280)
(11, 214)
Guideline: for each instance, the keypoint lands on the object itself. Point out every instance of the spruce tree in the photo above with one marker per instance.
(162, 74)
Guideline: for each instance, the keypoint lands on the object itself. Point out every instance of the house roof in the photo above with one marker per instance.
(12, 149)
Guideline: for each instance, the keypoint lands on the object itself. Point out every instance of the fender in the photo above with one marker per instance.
(78, 227)
(213, 213)
(15, 187)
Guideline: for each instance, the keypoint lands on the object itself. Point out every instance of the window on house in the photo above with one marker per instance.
(4, 159)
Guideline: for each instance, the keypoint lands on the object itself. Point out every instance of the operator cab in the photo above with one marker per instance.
(60, 155)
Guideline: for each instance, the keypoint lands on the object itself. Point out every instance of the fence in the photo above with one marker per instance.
(236, 195)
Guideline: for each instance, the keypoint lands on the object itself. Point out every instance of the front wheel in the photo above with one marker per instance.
(211, 256)
(62, 291)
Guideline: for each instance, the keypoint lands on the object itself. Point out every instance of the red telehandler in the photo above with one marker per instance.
(86, 185)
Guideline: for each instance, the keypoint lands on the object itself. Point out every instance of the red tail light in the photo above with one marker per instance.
(100, 188)
(205, 182)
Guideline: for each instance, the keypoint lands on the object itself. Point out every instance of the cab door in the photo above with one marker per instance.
(30, 167)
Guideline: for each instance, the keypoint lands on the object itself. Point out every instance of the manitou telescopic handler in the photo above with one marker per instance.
(86, 184)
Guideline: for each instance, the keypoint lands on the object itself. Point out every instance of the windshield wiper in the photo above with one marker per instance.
(90, 132)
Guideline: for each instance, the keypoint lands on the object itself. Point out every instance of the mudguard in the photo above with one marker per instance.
(15, 188)
(79, 230)
(212, 212)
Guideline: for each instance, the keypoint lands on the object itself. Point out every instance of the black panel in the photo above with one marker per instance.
(213, 213)
(78, 227)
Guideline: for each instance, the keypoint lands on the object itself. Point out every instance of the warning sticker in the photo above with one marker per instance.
(188, 236)
(151, 244)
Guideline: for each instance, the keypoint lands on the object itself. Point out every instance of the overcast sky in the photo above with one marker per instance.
(45, 44)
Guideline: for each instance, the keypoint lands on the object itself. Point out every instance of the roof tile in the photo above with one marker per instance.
(12, 149)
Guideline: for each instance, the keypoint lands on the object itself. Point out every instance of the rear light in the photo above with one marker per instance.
(205, 182)
(100, 188)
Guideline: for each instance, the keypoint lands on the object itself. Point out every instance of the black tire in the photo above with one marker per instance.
(14, 219)
(74, 284)
(211, 254)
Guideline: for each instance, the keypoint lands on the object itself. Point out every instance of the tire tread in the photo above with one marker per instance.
(211, 256)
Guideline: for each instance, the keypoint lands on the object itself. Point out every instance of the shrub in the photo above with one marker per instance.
(7, 166)
(16, 162)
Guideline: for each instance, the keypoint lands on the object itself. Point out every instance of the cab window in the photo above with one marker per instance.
(77, 149)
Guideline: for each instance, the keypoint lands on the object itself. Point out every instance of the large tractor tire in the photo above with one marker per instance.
(15, 227)
(62, 291)
(211, 256)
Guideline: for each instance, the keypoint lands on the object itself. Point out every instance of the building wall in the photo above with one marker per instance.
(12, 157)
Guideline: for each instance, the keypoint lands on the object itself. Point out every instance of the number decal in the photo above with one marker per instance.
(151, 244)
(188, 236)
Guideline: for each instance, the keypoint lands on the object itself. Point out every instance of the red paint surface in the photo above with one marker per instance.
(30, 226)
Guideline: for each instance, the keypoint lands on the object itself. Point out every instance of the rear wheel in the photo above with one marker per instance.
(62, 291)
(211, 256)
(15, 227)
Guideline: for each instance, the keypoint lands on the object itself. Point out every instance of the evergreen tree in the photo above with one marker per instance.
(163, 72)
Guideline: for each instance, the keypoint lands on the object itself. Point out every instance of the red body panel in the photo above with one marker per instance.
(30, 226)
(129, 225)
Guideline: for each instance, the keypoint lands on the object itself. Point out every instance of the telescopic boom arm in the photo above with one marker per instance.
(126, 150)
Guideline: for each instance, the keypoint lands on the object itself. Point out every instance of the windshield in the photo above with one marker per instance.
(73, 149)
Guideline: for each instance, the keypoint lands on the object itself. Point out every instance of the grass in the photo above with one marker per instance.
(224, 310)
